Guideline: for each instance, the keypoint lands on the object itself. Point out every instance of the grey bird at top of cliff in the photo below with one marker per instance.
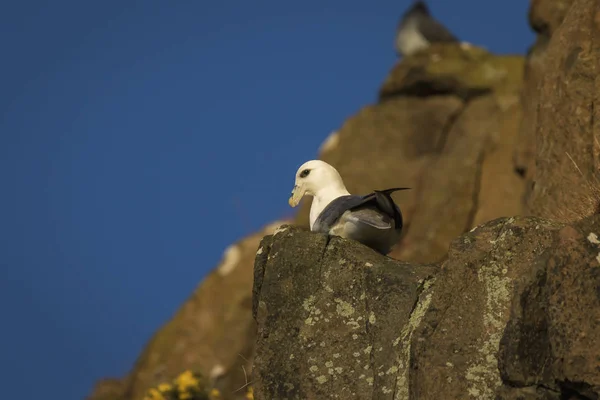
(373, 219)
(417, 29)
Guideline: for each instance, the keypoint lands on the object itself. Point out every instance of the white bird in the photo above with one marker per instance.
(417, 29)
(373, 219)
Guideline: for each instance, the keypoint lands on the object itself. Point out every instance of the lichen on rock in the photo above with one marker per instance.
(464, 71)
(336, 318)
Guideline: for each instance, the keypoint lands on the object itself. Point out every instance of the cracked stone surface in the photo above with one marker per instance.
(335, 318)
(553, 338)
(512, 313)
(456, 354)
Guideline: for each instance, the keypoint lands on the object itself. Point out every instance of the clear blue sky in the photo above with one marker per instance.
(138, 139)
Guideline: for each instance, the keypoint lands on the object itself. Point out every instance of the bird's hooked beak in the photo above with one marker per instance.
(296, 196)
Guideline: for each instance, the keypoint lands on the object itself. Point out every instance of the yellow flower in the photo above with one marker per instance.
(250, 393)
(164, 387)
(185, 381)
(215, 393)
(185, 395)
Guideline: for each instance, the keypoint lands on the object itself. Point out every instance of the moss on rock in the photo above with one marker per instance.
(462, 70)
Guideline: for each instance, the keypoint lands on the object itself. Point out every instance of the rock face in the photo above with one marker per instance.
(545, 16)
(513, 313)
(560, 135)
(327, 312)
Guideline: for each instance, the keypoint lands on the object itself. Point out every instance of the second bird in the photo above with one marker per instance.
(417, 30)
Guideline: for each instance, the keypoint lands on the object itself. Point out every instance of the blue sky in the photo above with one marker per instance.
(138, 139)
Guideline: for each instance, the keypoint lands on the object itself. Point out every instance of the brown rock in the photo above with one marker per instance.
(107, 389)
(471, 181)
(528, 393)
(524, 158)
(460, 70)
(567, 131)
(455, 348)
(545, 16)
(513, 313)
(333, 317)
(553, 338)
(573, 297)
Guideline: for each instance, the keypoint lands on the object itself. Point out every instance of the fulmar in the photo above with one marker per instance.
(417, 29)
(373, 219)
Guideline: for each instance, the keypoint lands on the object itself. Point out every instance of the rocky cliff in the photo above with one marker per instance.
(510, 312)
(560, 134)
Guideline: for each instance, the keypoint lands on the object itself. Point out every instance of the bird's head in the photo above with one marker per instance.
(313, 176)
(419, 8)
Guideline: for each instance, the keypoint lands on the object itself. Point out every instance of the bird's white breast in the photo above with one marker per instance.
(321, 200)
(409, 40)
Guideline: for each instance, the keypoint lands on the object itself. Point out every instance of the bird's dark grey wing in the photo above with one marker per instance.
(334, 211)
(368, 215)
(433, 31)
(381, 200)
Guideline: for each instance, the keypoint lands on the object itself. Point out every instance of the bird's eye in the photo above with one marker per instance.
(304, 173)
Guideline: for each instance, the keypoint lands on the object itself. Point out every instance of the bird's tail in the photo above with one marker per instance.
(386, 203)
(392, 190)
